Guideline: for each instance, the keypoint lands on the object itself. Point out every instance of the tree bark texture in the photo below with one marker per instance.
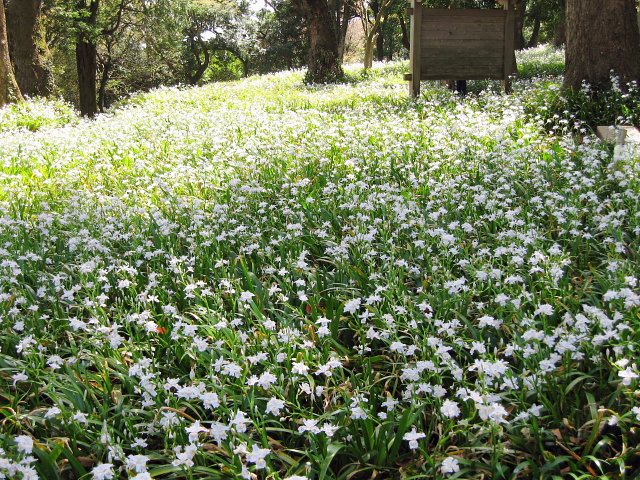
(560, 32)
(535, 35)
(405, 33)
(87, 64)
(521, 11)
(9, 91)
(107, 66)
(380, 47)
(28, 47)
(324, 64)
(342, 12)
(87, 60)
(601, 37)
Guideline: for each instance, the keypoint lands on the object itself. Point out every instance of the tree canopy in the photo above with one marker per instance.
(92, 52)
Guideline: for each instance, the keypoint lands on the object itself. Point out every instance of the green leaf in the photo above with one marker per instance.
(332, 450)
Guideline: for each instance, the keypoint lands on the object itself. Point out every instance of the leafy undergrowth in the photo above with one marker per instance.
(265, 280)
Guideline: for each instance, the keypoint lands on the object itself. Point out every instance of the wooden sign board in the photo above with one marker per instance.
(461, 44)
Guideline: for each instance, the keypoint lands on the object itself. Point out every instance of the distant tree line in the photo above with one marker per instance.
(94, 51)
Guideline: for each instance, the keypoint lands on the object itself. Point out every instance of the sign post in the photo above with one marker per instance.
(461, 44)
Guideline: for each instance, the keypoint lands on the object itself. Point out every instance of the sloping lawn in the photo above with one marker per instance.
(272, 281)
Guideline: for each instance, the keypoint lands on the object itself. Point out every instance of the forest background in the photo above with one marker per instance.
(92, 52)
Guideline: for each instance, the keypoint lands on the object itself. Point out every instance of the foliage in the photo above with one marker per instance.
(483, 4)
(163, 42)
(536, 65)
(268, 280)
(37, 114)
(577, 111)
(549, 13)
(281, 37)
(541, 61)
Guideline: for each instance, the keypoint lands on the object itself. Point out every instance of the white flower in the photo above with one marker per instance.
(81, 417)
(19, 377)
(142, 476)
(494, 412)
(25, 443)
(544, 310)
(246, 296)
(104, 471)
(266, 380)
(219, 432)
(299, 368)
(413, 436)
(450, 465)
(54, 412)
(210, 399)
(137, 463)
(358, 413)
(450, 409)
(240, 421)
(195, 430)
(352, 305)
(627, 375)
(274, 405)
(309, 425)
(28, 473)
(257, 456)
(329, 429)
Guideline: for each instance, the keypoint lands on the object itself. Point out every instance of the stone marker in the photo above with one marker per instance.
(608, 134)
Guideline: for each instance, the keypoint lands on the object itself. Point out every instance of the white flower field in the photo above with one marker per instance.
(265, 280)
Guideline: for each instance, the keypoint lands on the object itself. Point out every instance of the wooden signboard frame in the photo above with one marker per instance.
(461, 44)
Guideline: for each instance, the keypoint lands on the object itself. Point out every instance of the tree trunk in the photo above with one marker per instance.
(324, 64)
(9, 91)
(87, 64)
(380, 42)
(560, 32)
(342, 11)
(87, 57)
(405, 33)
(520, 13)
(601, 37)
(28, 47)
(104, 79)
(369, 43)
(197, 46)
(380, 47)
(371, 25)
(535, 35)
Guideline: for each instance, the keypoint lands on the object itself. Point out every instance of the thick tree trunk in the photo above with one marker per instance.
(87, 64)
(520, 13)
(560, 32)
(324, 64)
(87, 58)
(9, 91)
(28, 47)
(601, 37)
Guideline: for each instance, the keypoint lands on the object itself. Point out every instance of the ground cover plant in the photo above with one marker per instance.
(264, 280)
